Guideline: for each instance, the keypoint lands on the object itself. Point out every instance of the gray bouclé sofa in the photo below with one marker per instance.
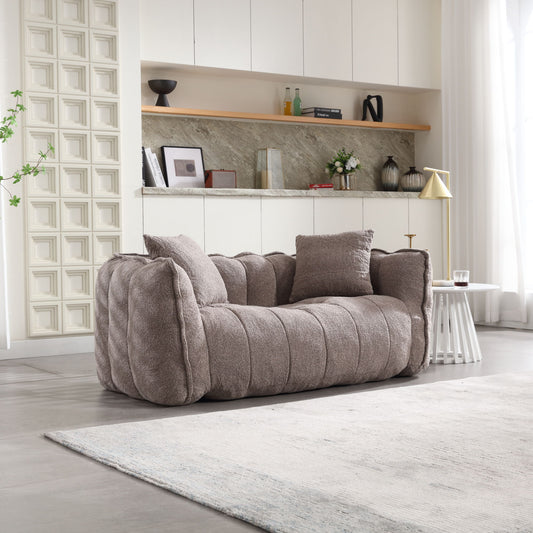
(175, 329)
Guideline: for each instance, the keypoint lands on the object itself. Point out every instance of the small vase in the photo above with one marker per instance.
(390, 175)
(412, 181)
(344, 180)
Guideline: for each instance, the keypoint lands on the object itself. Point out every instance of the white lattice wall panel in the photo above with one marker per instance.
(73, 211)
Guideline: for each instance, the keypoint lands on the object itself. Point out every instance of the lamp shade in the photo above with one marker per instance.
(435, 189)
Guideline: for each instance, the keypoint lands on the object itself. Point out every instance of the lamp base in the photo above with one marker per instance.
(443, 283)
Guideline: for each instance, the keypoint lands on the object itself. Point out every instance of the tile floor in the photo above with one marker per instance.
(47, 488)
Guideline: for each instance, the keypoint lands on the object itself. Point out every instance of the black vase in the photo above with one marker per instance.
(413, 180)
(162, 88)
(390, 175)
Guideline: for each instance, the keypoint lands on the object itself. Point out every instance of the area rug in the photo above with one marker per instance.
(448, 457)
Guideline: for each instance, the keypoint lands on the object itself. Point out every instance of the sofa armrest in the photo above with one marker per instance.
(406, 275)
(151, 341)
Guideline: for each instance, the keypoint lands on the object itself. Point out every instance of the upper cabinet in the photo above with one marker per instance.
(375, 41)
(419, 43)
(222, 34)
(328, 39)
(385, 42)
(167, 31)
(277, 36)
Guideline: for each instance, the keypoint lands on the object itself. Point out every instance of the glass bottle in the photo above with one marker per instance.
(287, 102)
(297, 104)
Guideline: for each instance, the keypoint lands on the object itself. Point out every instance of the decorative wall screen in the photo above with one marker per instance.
(73, 210)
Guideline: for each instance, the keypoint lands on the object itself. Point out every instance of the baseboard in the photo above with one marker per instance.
(47, 347)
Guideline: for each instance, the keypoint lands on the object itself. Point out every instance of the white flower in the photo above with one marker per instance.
(352, 163)
(337, 163)
(339, 170)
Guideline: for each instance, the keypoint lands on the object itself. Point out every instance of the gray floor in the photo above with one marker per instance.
(47, 488)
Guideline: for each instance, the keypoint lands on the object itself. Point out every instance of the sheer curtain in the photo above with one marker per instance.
(487, 46)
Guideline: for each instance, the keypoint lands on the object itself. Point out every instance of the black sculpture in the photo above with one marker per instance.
(162, 88)
(368, 106)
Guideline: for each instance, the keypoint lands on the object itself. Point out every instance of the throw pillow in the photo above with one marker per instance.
(206, 280)
(332, 265)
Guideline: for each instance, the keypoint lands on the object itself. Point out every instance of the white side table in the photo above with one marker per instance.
(454, 338)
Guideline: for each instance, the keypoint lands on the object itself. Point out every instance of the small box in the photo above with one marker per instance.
(221, 179)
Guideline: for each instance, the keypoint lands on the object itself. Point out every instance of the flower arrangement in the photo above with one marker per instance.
(343, 163)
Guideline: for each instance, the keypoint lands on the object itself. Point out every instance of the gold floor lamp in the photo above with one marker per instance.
(436, 190)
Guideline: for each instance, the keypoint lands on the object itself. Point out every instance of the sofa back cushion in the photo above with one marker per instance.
(253, 279)
(332, 265)
(207, 283)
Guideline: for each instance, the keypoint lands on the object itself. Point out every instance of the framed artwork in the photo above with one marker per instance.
(184, 166)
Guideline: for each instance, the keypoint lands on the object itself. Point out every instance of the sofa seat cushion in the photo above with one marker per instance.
(311, 344)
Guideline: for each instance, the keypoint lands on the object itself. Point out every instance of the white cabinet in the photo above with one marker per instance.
(277, 36)
(171, 215)
(389, 218)
(167, 31)
(232, 225)
(375, 41)
(335, 215)
(281, 220)
(425, 220)
(328, 39)
(222, 34)
(419, 43)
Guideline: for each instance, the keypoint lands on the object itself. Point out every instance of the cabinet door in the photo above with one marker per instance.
(389, 218)
(335, 215)
(232, 225)
(222, 33)
(277, 36)
(419, 43)
(328, 39)
(281, 220)
(375, 41)
(174, 215)
(167, 32)
(425, 220)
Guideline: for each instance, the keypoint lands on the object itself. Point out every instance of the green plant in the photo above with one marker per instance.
(6, 132)
(343, 163)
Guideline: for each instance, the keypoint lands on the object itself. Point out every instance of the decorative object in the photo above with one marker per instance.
(184, 166)
(436, 190)
(332, 265)
(29, 169)
(461, 278)
(454, 338)
(173, 347)
(343, 164)
(390, 175)
(412, 180)
(221, 179)
(368, 106)
(269, 173)
(297, 104)
(162, 88)
(394, 459)
(287, 102)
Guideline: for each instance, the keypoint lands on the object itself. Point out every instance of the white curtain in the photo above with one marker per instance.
(487, 47)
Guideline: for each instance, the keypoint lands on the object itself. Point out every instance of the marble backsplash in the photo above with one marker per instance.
(306, 148)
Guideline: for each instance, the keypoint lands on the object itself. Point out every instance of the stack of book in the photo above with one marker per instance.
(152, 175)
(322, 112)
(321, 186)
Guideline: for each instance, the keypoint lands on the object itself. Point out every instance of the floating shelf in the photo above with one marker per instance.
(181, 111)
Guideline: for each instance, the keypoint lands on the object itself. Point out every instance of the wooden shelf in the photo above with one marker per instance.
(181, 111)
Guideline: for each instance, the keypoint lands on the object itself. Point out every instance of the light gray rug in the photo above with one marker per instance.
(454, 457)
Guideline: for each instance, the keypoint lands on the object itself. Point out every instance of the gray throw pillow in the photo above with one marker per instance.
(332, 265)
(206, 280)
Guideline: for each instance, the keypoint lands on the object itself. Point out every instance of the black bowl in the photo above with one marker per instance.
(162, 88)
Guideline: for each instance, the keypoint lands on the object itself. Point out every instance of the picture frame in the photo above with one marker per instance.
(184, 166)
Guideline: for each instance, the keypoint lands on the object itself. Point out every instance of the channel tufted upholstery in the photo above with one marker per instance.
(154, 341)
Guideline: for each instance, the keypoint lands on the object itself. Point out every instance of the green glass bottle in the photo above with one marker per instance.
(297, 104)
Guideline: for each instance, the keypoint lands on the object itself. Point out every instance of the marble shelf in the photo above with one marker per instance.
(279, 193)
